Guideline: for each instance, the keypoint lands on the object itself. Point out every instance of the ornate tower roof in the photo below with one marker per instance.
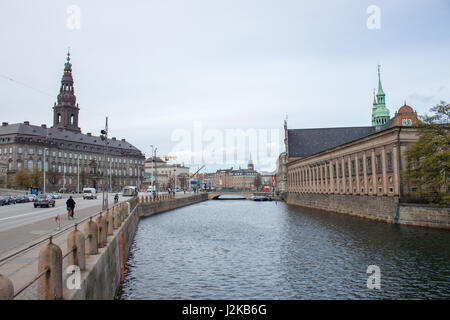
(380, 114)
(65, 111)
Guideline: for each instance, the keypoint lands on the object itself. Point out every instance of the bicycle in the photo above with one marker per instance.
(69, 213)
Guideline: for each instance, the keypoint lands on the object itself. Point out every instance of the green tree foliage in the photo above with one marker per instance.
(37, 179)
(23, 178)
(428, 159)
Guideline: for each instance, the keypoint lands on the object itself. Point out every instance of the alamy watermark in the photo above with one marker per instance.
(73, 21)
(374, 18)
(374, 280)
(73, 281)
(220, 146)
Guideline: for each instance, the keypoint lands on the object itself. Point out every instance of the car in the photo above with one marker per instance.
(57, 196)
(10, 199)
(22, 198)
(32, 197)
(89, 193)
(44, 200)
(3, 201)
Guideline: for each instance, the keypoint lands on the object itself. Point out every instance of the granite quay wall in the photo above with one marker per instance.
(103, 275)
(385, 209)
(86, 261)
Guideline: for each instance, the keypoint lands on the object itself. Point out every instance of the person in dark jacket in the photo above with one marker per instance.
(70, 206)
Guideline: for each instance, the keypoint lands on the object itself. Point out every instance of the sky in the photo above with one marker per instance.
(182, 74)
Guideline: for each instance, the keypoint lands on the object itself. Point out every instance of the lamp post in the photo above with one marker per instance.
(154, 170)
(64, 178)
(45, 151)
(104, 137)
(78, 175)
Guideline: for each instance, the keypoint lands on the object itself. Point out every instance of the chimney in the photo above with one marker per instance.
(27, 123)
(4, 124)
(44, 126)
(113, 138)
(89, 134)
(123, 140)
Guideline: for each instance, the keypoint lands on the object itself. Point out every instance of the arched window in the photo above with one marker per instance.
(30, 165)
(59, 118)
(72, 119)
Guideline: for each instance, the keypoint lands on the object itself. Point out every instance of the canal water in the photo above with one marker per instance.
(268, 250)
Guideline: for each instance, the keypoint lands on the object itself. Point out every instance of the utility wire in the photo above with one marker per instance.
(26, 85)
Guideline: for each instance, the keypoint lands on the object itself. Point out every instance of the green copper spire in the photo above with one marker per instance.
(380, 114)
(380, 87)
(68, 65)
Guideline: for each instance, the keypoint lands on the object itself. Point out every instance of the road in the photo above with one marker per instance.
(22, 223)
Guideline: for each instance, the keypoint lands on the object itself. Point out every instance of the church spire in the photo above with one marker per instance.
(380, 114)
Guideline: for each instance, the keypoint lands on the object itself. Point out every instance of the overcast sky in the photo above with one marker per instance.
(155, 67)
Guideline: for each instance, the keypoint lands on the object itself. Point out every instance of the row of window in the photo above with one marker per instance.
(319, 173)
(70, 155)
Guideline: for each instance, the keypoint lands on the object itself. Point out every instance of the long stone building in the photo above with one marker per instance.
(72, 159)
(351, 169)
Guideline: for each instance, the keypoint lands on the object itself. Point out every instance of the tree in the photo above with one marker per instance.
(257, 182)
(37, 178)
(23, 178)
(428, 159)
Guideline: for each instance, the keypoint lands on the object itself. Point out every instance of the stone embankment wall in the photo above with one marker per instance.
(103, 274)
(385, 209)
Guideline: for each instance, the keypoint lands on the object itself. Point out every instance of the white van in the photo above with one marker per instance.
(89, 193)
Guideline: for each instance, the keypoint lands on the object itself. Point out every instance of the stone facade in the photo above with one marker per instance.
(369, 166)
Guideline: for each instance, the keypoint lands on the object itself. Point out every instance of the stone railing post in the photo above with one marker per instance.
(6, 288)
(50, 284)
(110, 222)
(121, 212)
(116, 216)
(128, 209)
(75, 240)
(101, 223)
(91, 231)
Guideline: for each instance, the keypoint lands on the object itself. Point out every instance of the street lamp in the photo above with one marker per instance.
(45, 151)
(104, 137)
(154, 170)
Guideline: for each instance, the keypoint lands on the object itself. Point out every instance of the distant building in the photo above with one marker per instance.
(70, 155)
(241, 179)
(281, 173)
(166, 175)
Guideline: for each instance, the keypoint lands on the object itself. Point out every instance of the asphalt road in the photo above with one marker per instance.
(21, 223)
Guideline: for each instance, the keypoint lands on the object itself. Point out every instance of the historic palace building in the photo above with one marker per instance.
(353, 160)
(70, 158)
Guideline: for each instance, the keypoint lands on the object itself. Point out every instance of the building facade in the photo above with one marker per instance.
(353, 160)
(166, 175)
(71, 159)
(241, 179)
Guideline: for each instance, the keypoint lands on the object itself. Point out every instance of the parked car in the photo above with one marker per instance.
(32, 197)
(10, 199)
(44, 200)
(21, 198)
(57, 196)
(3, 201)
